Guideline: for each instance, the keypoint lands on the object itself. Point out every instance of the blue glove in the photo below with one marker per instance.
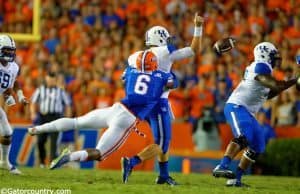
(173, 78)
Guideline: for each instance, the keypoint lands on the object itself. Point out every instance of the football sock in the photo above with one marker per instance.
(225, 162)
(239, 174)
(135, 160)
(163, 169)
(80, 156)
(5, 154)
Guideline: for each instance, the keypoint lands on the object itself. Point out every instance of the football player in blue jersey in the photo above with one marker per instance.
(257, 86)
(158, 41)
(144, 86)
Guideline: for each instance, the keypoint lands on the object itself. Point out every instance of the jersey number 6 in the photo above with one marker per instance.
(141, 86)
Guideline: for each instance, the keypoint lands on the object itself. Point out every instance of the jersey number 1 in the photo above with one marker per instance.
(141, 85)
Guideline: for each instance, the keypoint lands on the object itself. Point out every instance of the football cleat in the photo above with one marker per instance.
(11, 168)
(169, 180)
(32, 131)
(15, 171)
(223, 172)
(126, 169)
(235, 183)
(62, 159)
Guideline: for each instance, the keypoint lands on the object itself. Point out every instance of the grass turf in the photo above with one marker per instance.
(109, 182)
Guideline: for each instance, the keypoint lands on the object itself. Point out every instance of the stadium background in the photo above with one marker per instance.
(88, 42)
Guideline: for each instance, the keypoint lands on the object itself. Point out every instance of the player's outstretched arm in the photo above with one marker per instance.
(190, 51)
(275, 85)
(196, 42)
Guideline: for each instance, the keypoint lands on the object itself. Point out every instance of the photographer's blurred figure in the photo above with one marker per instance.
(206, 136)
(49, 102)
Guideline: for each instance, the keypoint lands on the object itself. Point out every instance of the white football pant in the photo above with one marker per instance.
(5, 128)
(118, 120)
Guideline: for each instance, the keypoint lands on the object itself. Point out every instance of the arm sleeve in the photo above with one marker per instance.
(182, 53)
(262, 69)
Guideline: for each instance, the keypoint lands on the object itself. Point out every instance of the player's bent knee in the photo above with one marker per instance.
(5, 140)
(155, 148)
(241, 141)
(94, 154)
(251, 155)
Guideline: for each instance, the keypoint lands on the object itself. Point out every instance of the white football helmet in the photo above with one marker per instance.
(7, 48)
(157, 36)
(266, 52)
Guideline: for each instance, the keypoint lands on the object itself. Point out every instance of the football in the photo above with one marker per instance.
(224, 45)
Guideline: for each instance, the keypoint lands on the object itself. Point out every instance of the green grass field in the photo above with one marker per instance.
(97, 181)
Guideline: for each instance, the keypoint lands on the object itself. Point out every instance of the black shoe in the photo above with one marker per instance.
(235, 183)
(222, 172)
(169, 180)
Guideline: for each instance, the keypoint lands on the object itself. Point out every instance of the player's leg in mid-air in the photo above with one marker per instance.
(120, 123)
(160, 123)
(5, 144)
(95, 119)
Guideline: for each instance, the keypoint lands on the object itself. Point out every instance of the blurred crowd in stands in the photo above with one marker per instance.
(88, 41)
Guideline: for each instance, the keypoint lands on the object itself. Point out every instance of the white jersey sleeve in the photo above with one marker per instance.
(182, 53)
(250, 93)
(8, 75)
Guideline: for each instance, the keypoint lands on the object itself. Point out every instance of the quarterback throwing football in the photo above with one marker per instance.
(143, 87)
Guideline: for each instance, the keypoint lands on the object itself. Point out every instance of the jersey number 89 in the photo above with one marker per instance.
(141, 85)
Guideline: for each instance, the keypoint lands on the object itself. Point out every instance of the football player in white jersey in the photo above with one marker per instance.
(257, 86)
(9, 71)
(158, 41)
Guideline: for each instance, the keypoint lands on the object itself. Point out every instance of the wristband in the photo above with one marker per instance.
(198, 31)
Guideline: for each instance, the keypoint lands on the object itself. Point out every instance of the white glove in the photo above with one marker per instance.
(10, 100)
(20, 95)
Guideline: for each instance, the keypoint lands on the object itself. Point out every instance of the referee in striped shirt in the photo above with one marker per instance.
(48, 103)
